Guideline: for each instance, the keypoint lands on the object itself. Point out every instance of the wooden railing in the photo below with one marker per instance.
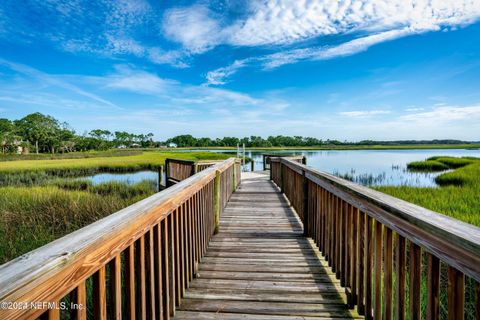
(389, 254)
(177, 170)
(134, 264)
(267, 157)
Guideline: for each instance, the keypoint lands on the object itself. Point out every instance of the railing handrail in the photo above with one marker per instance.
(452, 241)
(76, 256)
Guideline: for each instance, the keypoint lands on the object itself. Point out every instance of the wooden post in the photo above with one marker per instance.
(271, 170)
(252, 163)
(305, 204)
(216, 201)
(282, 182)
(234, 178)
(304, 160)
(160, 177)
(167, 173)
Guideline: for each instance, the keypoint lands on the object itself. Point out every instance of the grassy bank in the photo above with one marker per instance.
(35, 172)
(72, 155)
(458, 194)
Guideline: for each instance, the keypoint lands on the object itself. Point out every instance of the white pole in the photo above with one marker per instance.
(244, 155)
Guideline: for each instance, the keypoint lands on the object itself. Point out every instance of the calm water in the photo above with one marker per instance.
(370, 167)
(128, 178)
(367, 167)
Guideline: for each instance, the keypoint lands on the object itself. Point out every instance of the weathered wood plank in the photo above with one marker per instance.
(261, 265)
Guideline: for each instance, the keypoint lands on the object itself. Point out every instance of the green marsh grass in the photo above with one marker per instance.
(38, 172)
(33, 216)
(42, 200)
(429, 165)
(458, 194)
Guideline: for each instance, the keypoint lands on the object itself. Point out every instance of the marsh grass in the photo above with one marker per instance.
(429, 166)
(33, 216)
(42, 200)
(458, 195)
(39, 172)
(72, 155)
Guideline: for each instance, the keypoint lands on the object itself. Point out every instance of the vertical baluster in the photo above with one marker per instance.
(54, 314)
(343, 242)
(330, 230)
(353, 252)
(79, 298)
(400, 271)
(456, 294)
(130, 282)
(158, 254)
(186, 243)
(201, 222)
(166, 257)
(433, 287)
(140, 277)
(339, 242)
(415, 281)
(318, 214)
(116, 287)
(324, 222)
(334, 234)
(377, 307)
(358, 275)
(388, 274)
(348, 249)
(191, 244)
(368, 267)
(181, 247)
(195, 231)
(150, 266)
(172, 263)
(99, 294)
(477, 300)
(178, 262)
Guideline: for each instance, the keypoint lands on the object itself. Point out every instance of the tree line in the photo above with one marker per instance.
(289, 141)
(44, 134)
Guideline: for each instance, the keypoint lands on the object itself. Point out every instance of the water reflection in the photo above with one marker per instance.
(368, 167)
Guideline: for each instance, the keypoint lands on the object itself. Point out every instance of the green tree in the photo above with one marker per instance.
(40, 130)
(8, 138)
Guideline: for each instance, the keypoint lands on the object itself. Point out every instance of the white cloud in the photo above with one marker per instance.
(137, 81)
(444, 114)
(219, 76)
(193, 27)
(288, 21)
(40, 80)
(359, 114)
(284, 22)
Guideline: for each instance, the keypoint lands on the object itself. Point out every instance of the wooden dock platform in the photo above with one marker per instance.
(260, 265)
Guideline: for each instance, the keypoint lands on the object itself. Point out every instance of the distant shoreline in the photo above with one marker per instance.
(348, 147)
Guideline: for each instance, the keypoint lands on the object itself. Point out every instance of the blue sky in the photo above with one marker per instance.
(386, 69)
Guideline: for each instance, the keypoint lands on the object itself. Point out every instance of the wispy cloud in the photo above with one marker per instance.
(282, 22)
(55, 81)
(194, 27)
(219, 76)
(107, 27)
(444, 114)
(362, 114)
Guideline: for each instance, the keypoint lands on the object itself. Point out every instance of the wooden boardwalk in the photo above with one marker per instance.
(260, 266)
